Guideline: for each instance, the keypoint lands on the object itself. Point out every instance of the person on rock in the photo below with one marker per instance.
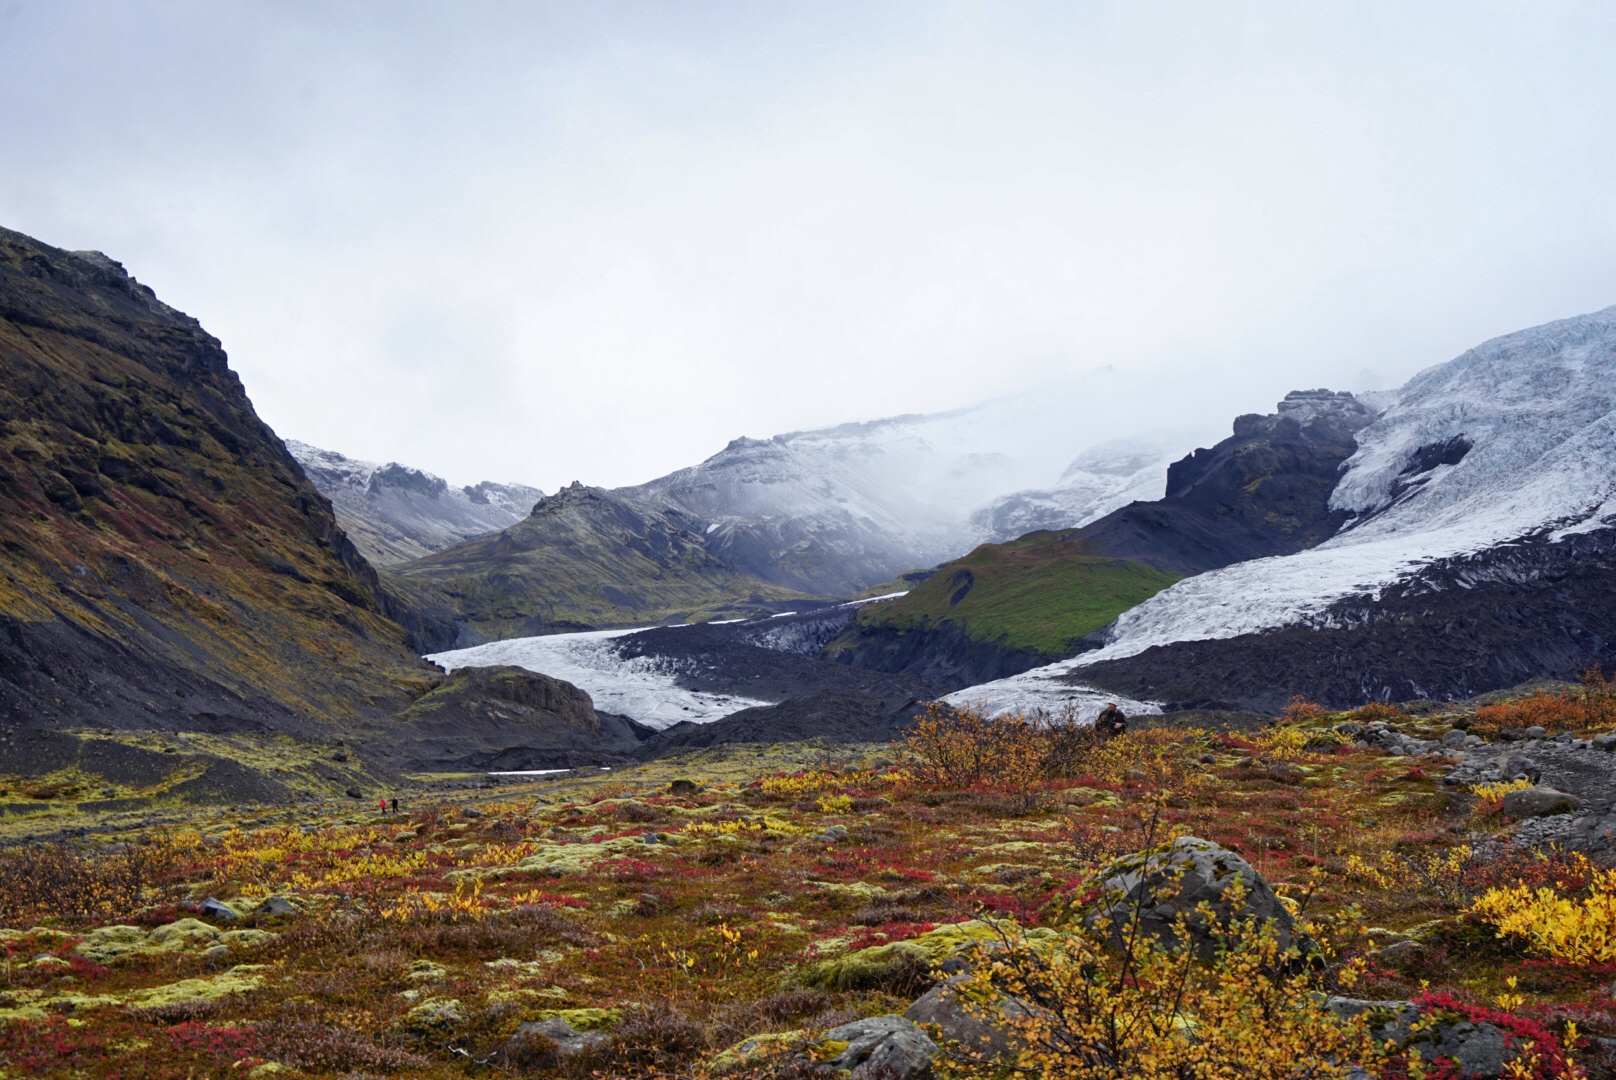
(1111, 721)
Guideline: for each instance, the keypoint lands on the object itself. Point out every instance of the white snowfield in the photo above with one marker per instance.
(641, 688)
(1538, 407)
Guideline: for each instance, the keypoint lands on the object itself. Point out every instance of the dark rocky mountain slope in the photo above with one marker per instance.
(586, 557)
(1263, 491)
(163, 561)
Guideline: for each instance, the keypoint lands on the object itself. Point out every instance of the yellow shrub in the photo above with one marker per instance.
(835, 804)
(1579, 931)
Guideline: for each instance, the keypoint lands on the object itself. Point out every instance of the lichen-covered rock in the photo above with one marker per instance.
(1157, 887)
(545, 1040)
(878, 965)
(885, 1047)
(757, 1049)
(943, 1009)
(184, 933)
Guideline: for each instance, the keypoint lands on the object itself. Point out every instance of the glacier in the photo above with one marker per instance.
(640, 688)
(1537, 410)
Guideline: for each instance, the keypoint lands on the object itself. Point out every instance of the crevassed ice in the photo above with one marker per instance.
(641, 688)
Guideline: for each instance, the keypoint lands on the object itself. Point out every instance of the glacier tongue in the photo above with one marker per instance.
(639, 688)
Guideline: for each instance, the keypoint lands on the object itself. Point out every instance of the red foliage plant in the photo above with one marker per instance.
(1518, 1031)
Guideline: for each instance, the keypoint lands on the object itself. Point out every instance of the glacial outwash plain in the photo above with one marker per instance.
(314, 766)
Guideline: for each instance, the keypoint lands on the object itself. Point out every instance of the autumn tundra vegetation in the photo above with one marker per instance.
(1018, 886)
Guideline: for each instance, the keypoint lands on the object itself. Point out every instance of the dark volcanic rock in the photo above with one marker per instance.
(1456, 628)
(942, 654)
(837, 715)
(507, 719)
(1263, 491)
(712, 659)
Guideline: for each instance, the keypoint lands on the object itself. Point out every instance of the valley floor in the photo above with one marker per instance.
(680, 907)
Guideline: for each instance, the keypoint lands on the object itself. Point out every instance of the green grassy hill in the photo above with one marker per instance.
(1043, 592)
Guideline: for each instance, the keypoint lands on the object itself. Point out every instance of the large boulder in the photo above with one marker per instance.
(1540, 801)
(944, 1009)
(1157, 887)
(542, 1042)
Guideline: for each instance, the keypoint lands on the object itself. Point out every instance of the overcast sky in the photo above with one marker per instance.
(598, 240)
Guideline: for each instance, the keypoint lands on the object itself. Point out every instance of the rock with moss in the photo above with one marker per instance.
(884, 1047)
(758, 1049)
(436, 1014)
(899, 961)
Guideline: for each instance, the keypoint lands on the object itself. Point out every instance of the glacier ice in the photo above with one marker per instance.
(641, 688)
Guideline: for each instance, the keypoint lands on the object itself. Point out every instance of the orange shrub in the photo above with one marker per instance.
(1554, 712)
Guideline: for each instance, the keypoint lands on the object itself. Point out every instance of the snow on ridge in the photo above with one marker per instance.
(1539, 410)
(642, 688)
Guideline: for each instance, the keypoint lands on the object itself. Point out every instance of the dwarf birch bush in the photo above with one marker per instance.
(1576, 930)
(1096, 1006)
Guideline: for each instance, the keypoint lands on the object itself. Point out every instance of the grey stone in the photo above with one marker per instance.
(1453, 738)
(1479, 1049)
(1397, 750)
(1517, 767)
(216, 953)
(1607, 741)
(1540, 802)
(1473, 741)
(470, 812)
(885, 1047)
(1156, 887)
(275, 907)
(1349, 727)
(978, 1038)
(213, 909)
(831, 835)
(1535, 732)
(568, 1040)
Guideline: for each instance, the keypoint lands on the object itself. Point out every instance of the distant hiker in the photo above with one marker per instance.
(383, 803)
(395, 804)
(1111, 722)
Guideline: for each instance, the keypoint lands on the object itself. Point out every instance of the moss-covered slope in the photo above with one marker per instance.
(1002, 608)
(163, 561)
(590, 558)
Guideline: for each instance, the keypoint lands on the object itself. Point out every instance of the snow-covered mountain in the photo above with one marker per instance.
(1479, 549)
(394, 513)
(1103, 477)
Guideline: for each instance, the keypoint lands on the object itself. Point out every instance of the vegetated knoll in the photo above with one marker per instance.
(998, 611)
(163, 561)
(589, 558)
(1263, 491)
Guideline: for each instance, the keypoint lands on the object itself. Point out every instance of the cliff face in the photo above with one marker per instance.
(163, 561)
(1263, 491)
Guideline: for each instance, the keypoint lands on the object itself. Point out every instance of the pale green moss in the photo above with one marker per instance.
(583, 1019)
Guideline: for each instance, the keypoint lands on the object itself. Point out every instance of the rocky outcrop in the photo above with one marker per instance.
(1263, 491)
(1161, 892)
(506, 719)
